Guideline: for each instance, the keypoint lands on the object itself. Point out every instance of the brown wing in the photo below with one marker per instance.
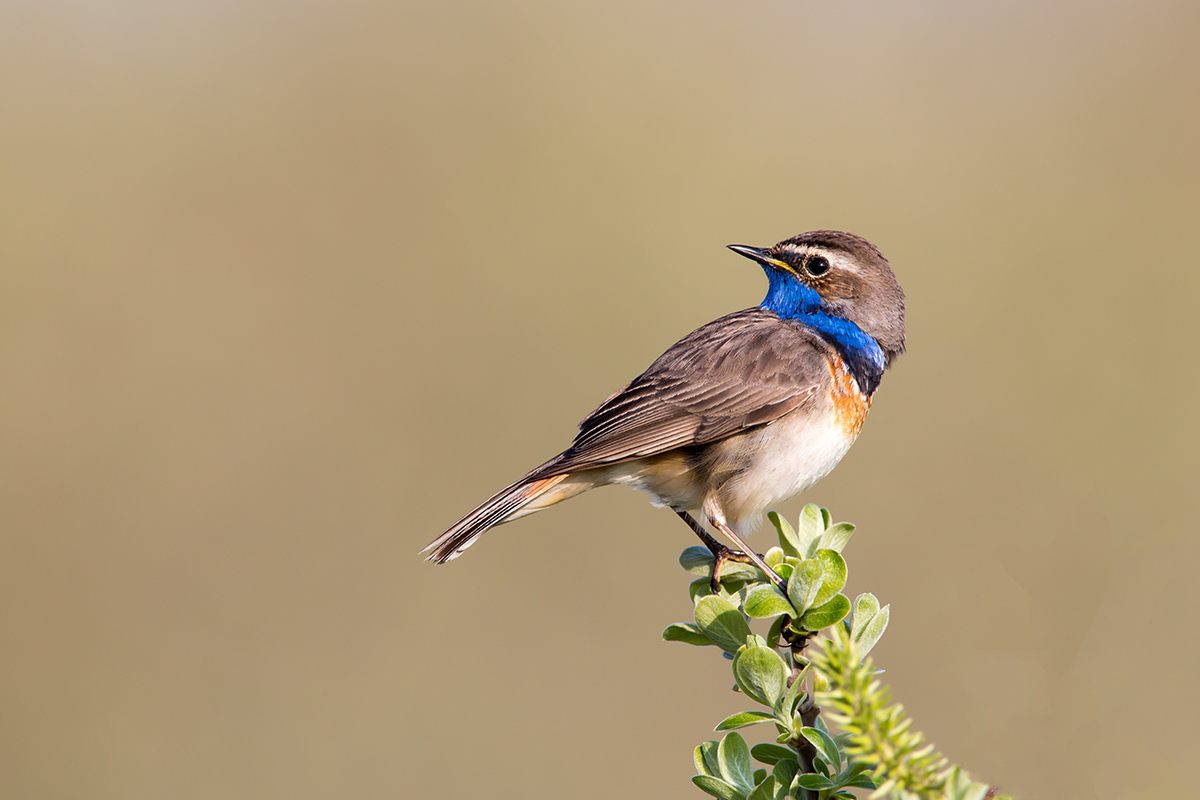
(745, 369)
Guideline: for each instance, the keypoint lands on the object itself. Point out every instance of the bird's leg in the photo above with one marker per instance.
(721, 553)
(754, 557)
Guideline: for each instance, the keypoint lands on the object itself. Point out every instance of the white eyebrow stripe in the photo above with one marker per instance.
(797, 250)
(836, 257)
(844, 261)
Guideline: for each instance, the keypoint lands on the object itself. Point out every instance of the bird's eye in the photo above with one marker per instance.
(817, 266)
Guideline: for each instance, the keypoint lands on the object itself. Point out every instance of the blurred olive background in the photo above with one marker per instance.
(289, 287)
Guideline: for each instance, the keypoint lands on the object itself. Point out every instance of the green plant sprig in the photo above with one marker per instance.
(875, 748)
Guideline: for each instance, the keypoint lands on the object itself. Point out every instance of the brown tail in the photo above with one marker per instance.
(497, 509)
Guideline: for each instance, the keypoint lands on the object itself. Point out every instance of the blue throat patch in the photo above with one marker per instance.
(788, 297)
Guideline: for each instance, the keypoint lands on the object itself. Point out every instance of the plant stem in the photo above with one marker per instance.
(809, 710)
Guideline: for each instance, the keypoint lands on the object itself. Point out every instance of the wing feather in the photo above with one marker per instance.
(743, 370)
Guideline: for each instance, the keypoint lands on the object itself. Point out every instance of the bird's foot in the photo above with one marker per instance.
(722, 554)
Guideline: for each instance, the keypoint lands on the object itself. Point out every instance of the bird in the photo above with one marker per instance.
(740, 414)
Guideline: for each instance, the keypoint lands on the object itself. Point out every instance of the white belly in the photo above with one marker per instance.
(791, 455)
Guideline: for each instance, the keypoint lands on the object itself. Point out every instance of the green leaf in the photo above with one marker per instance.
(788, 541)
(826, 518)
(744, 719)
(735, 572)
(825, 746)
(705, 758)
(717, 787)
(774, 557)
(775, 631)
(861, 782)
(760, 775)
(836, 537)
(835, 575)
(785, 772)
(764, 791)
(866, 605)
(772, 753)
(734, 758)
(784, 571)
(721, 622)
(826, 615)
(761, 674)
(811, 526)
(869, 636)
(812, 781)
(697, 560)
(699, 588)
(978, 791)
(685, 632)
(764, 600)
(959, 786)
(805, 583)
(795, 689)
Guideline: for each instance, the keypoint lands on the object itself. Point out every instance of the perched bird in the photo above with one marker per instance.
(743, 412)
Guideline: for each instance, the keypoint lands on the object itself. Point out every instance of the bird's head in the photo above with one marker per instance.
(838, 275)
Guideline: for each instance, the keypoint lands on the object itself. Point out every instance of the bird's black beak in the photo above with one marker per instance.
(760, 254)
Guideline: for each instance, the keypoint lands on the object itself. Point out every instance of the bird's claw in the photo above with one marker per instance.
(721, 554)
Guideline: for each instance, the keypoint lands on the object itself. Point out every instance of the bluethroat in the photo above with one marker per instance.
(740, 414)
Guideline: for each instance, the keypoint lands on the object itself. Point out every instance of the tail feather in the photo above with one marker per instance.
(497, 509)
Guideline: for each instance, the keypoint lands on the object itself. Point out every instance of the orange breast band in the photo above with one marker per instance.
(850, 404)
